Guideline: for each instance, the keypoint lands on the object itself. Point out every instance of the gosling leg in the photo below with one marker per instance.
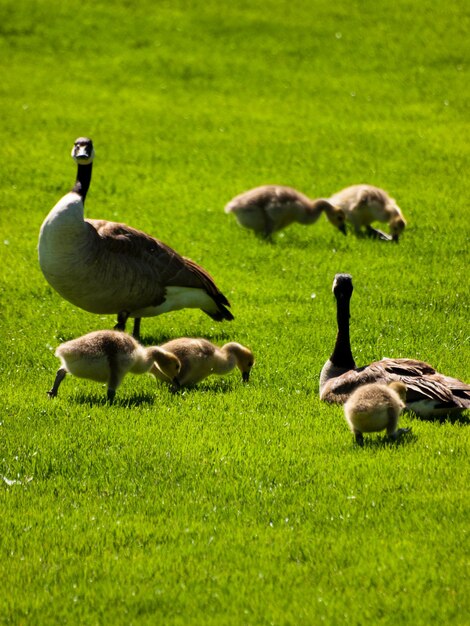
(377, 234)
(398, 434)
(359, 439)
(268, 226)
(61, 373)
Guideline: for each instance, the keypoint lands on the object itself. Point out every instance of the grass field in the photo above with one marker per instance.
(232, 504)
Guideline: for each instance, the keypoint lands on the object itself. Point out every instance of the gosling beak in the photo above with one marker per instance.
(245, 376)
(342, 228)
(175, 387)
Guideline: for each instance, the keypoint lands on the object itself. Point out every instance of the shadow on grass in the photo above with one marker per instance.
(94, 400)
(161, 391)
(381, 442)
(223, 385)
(450, 418)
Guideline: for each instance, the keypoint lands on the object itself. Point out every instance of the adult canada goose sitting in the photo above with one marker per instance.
(429, 393)
(270, 208)
(200, 358)
(375, 407)
(106, 356)
(107, 267)
(364, 204)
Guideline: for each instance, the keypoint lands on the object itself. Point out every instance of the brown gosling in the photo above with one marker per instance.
(107, 267)
(375, 407)
(200, 358)
(106, 356)
(271, 208)
(364, 204)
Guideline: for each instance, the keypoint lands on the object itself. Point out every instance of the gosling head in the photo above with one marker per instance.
(83, 152)
(244, 357)
(168, 363)
(397, 226)
(336, 216)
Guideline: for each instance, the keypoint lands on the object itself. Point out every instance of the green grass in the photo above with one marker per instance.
(232, 504)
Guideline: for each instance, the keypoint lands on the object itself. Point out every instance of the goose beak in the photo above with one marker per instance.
(245, 376)
(342, 228)
(395, 238)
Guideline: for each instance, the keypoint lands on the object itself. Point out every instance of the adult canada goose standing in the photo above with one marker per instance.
(375, 407)
(200, 358)
(107, 267)
(270, 208)
(429, 393)
(364, 204)
(106, 356)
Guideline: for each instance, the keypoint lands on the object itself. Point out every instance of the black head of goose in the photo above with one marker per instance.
(429, 393)
(110, 268)
(270, 208)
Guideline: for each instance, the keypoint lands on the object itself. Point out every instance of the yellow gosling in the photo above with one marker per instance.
(200, 358)
(365, 204)
(106, 356)
(375, 407)
(270, 208)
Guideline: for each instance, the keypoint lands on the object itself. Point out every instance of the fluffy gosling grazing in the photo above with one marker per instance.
(106, 356)
(375, 407)
(428, 392)
(364, 204)
(270, 208)
(110, 268)
(200, 358)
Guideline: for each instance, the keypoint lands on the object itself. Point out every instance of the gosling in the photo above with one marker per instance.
(106, 356)
(364, 204)
(270, 208)
(200, 358)
(375, 407)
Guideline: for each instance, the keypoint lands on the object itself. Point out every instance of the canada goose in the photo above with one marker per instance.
(364, 204)
(429, 393)
(376, 407)
(270, 208)
(107, 267)
(200, 358)
(106, 356)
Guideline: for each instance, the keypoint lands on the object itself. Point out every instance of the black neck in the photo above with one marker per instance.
(342, 356)
(82, 183)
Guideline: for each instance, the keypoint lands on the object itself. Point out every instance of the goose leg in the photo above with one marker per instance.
(58, 379)
(136, 330)
(122, 318)
(110, 395)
